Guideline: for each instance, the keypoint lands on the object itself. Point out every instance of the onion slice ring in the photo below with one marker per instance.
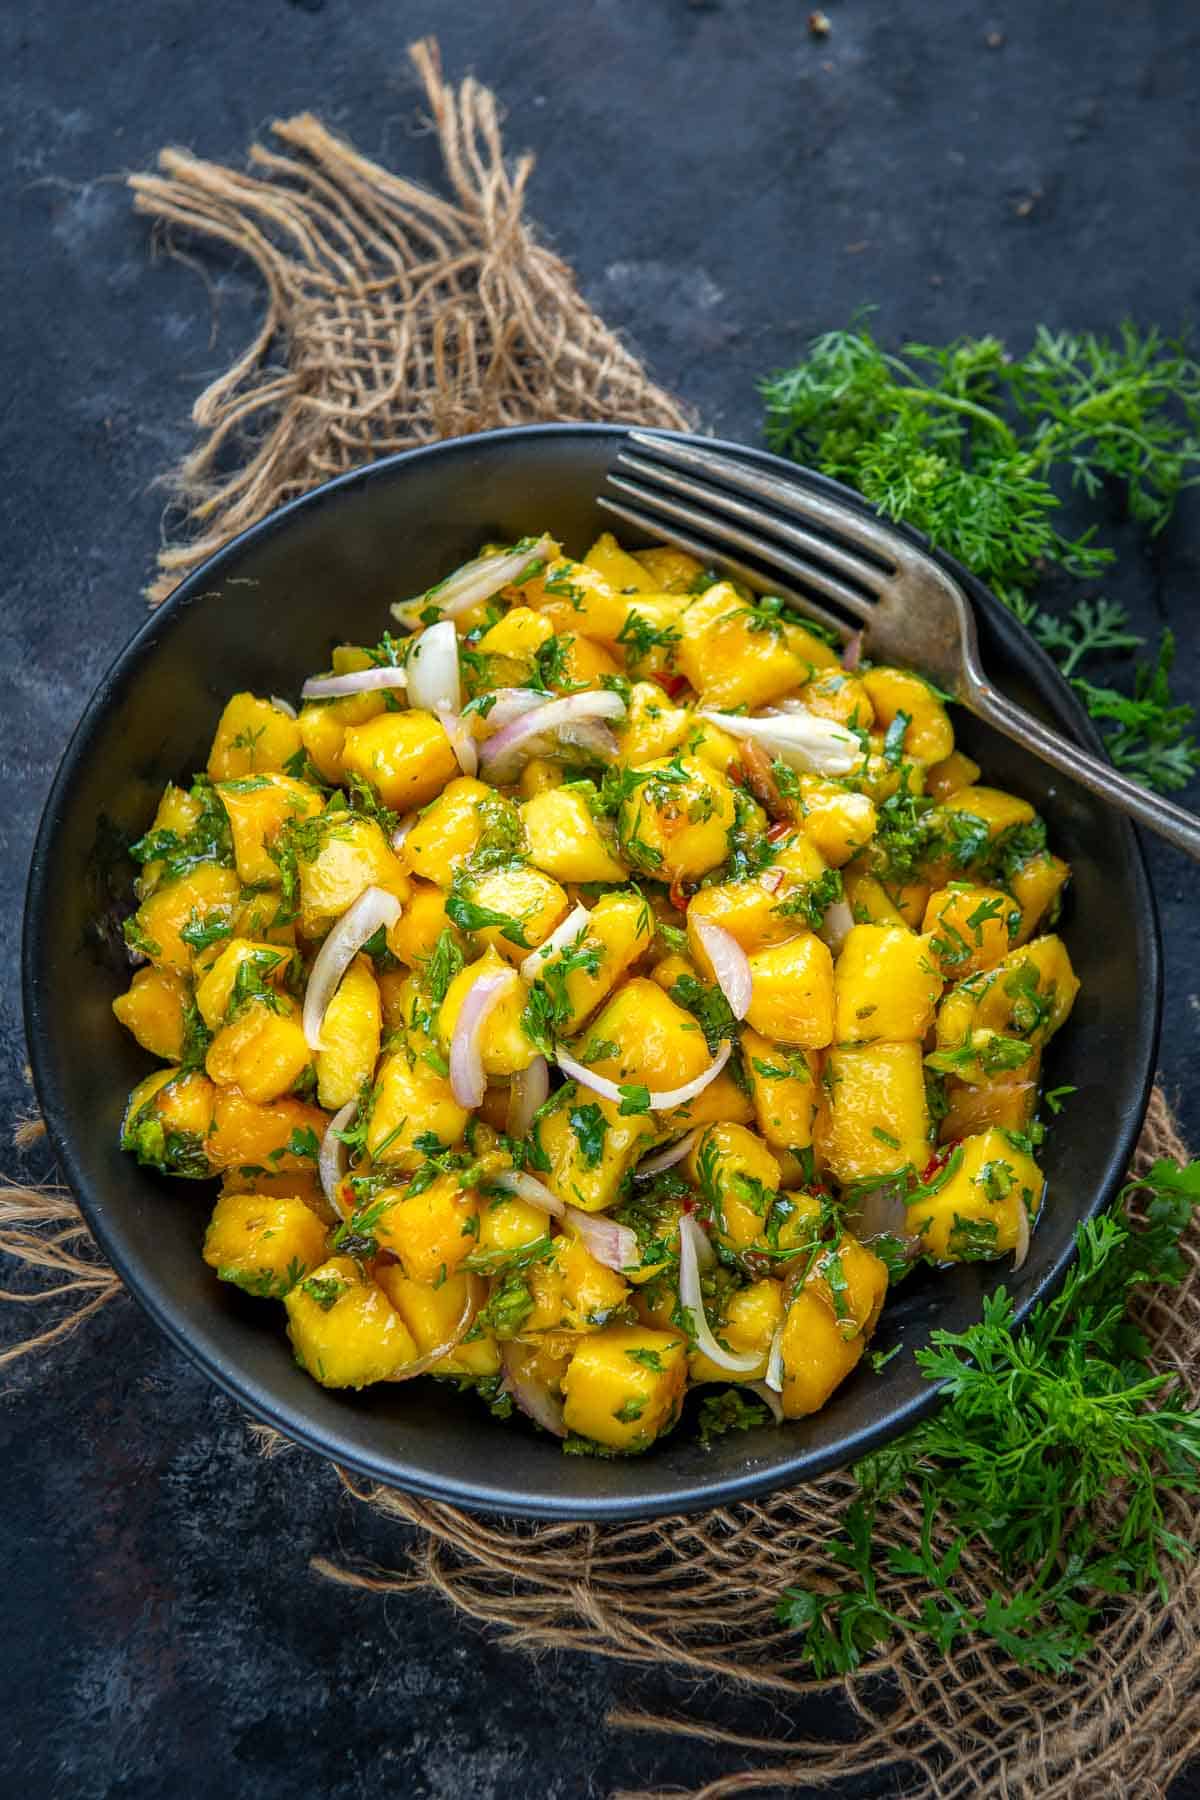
(769, 1398)
(661, 1100)
(283, 706)
(528, 1090)
(836, 926)
(666, 1159)
(373, 908)
(432, 670)
(804, 740)
(466, 1319)
(691, 1301)
(611, 1244)
(773, 1380)
(1021, 1247)
(570, 931)
(532, 1397)
(358, 681)
(730, 965)
(331, 1163)
(467, 1078)
(474, 582)
(503, 755)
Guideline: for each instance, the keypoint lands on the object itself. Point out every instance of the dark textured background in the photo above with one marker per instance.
(726, 186)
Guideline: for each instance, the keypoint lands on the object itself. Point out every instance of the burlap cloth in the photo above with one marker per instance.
(393, 317)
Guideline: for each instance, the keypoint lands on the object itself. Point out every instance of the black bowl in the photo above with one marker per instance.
(261, 614)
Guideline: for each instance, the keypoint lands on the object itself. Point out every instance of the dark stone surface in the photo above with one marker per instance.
(726, 186)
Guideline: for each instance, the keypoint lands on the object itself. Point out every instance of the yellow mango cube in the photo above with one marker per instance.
(975, 1213)
(423, 919)
(1036, 887)
(280, 1135)
(885, 985)
(652, 726)
(449, 830)
(411, 1099)
(792, 996)
(351, 855)
(503, 1044)
(969, 928)
(571, 1290)
(623, 1386)
(829, 1323)
(530, 902)
(406, 756)
(619, 930)
(565, 839)
(875, 1120)
(215, 991)
(350, 1034)
(671, 571)
(621, 570)
(785, 1087)
(263, 1243)
(262, 1051)
(343, 1328)
(432, 1232)
(206, 897)
(152, 1008)
(258, 808)
(675, 824)
(929, 735)
(747, 1327)
(738, 1179)
(253, 738)
(945, 778)
(732, 661)
(838, 822)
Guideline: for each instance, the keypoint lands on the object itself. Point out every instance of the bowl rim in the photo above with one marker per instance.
(255, 1394)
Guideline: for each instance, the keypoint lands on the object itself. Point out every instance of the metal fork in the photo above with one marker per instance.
(849, 572)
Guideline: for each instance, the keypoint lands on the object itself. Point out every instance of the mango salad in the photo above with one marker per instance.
(603, 985)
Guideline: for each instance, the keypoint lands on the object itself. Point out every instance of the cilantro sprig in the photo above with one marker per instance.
(976, 448)
(1056, 1450)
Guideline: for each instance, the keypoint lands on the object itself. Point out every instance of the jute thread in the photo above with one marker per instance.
(394, 316)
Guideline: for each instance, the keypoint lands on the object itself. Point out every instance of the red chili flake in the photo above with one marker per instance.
(679, 899)
(779, 830)
(671, 684)
(737, 775)
(938, 1162)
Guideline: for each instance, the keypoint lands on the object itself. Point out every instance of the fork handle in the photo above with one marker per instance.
(1172, 822)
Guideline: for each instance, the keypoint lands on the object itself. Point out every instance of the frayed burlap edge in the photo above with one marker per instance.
(400, 317)
(394, 317)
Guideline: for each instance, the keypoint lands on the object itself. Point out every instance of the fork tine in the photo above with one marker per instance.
(806, 574)
(716, 499)
(875, 539)
(709, 552)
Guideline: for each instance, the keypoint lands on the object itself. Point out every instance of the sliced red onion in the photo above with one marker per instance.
(527, 1094)
(611, 1244)
(569, 932)
(528, 1187)
(509, 704)
(403, 827)
(467, 1078)
(881, 1212)
(773, 1380)
(466, 1319)
(432, 669)
(852, 654)
(503, 755)
(1021, 1247)
(769, 1398)
(691, 1299)
(461, 741)
(805, 741)
(533, 1397)
(595, 739)
(373, 908)
(359, 681)
(771, 880)
(661, 1100)
(666, 1159)
(730, 965)
(331, 1163)
(474, 583)
(836, 925)
(283, 706)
